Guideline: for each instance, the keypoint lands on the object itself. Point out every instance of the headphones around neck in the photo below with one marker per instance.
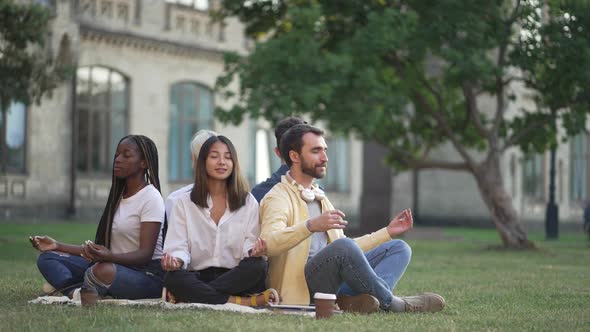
(308, 195)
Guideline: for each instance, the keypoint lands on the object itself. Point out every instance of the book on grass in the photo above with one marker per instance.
(292, 307)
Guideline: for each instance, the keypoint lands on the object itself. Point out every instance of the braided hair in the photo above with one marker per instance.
(149, 153)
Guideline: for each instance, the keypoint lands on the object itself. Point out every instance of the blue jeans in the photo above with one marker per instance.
(342, 268)
(66, 272)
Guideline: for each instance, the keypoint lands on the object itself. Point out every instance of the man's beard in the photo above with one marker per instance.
(312, 170)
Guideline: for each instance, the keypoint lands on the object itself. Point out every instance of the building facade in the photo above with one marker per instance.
(142, 67)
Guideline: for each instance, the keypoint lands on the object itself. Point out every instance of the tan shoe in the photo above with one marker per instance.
(363, 303)
(427, 302)
(48, 289)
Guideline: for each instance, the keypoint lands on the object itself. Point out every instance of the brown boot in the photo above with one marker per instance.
(363, 303)
(427, 302)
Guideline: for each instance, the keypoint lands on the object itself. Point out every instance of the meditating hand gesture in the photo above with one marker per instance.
(43, 243)
(401, 223)
(259, 248)
(331, 219)
(96, 252)
(171, 263)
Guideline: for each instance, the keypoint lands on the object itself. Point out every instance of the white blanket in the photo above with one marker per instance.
(166, 305)
(154, 303)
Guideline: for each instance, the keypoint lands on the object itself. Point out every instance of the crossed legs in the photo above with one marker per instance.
(342, 268)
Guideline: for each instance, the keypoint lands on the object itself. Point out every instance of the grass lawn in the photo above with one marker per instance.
(547, 290)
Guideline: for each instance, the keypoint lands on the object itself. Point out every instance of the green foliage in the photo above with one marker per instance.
(26, 69)
(407, 73)
(553, 53)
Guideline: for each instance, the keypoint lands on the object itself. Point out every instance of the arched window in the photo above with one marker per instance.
(13, 126)
(102, 104)
(191, 109)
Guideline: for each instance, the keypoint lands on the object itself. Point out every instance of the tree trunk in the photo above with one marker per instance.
(489, 180)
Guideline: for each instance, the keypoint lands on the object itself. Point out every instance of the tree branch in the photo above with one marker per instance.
(425, 163)
(514, 14)
(500, 84)
(420, 100)
(438, 164)
(511, 79)
(515, 138)
(472, 110)
(499, 93)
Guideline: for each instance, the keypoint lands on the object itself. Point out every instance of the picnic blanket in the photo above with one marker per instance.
(64, 300)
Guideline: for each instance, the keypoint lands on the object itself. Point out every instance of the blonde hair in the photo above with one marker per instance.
(197, 142)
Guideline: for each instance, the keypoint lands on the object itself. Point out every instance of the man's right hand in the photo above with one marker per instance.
(328, 220)
(43, 243)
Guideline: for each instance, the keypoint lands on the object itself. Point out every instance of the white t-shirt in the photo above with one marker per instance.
(173, 196)
(146, 205)
(194, 237)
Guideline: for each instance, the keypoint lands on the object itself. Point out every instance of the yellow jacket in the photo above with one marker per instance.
(283, 214)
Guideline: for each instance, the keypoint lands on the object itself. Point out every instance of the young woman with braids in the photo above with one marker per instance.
(124, 260)
(212, 251)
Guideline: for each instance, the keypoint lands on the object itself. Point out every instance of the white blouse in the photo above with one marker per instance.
(194, 237)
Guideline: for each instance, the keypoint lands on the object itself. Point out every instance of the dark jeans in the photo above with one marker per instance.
(215, 285)
(66, 272)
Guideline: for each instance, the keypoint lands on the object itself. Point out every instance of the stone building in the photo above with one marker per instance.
(142, 66)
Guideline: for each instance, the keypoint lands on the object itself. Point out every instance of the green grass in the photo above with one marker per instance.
(486, 290)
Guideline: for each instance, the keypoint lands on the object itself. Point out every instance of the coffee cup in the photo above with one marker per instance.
(324, 305)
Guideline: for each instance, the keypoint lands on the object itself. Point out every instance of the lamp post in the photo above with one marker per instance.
(552, 211)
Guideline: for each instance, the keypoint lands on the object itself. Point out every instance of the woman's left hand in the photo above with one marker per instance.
(259, 248)
(98, 253)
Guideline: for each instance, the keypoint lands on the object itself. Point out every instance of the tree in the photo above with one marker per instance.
(409, 74)
(27, 71)
(555, 40)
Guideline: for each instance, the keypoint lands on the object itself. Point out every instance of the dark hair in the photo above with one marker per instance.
(149, 153)
(237, 186)
(293, 140)
(284, 125)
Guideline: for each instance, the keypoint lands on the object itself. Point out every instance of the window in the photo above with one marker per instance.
(197, 4)
(101, 105)
(13, 126)
(191, 109)
(533, 177)
(579, 168)
(266, 161)
(338, 174)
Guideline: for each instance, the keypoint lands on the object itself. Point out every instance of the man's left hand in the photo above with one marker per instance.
(401, 223)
